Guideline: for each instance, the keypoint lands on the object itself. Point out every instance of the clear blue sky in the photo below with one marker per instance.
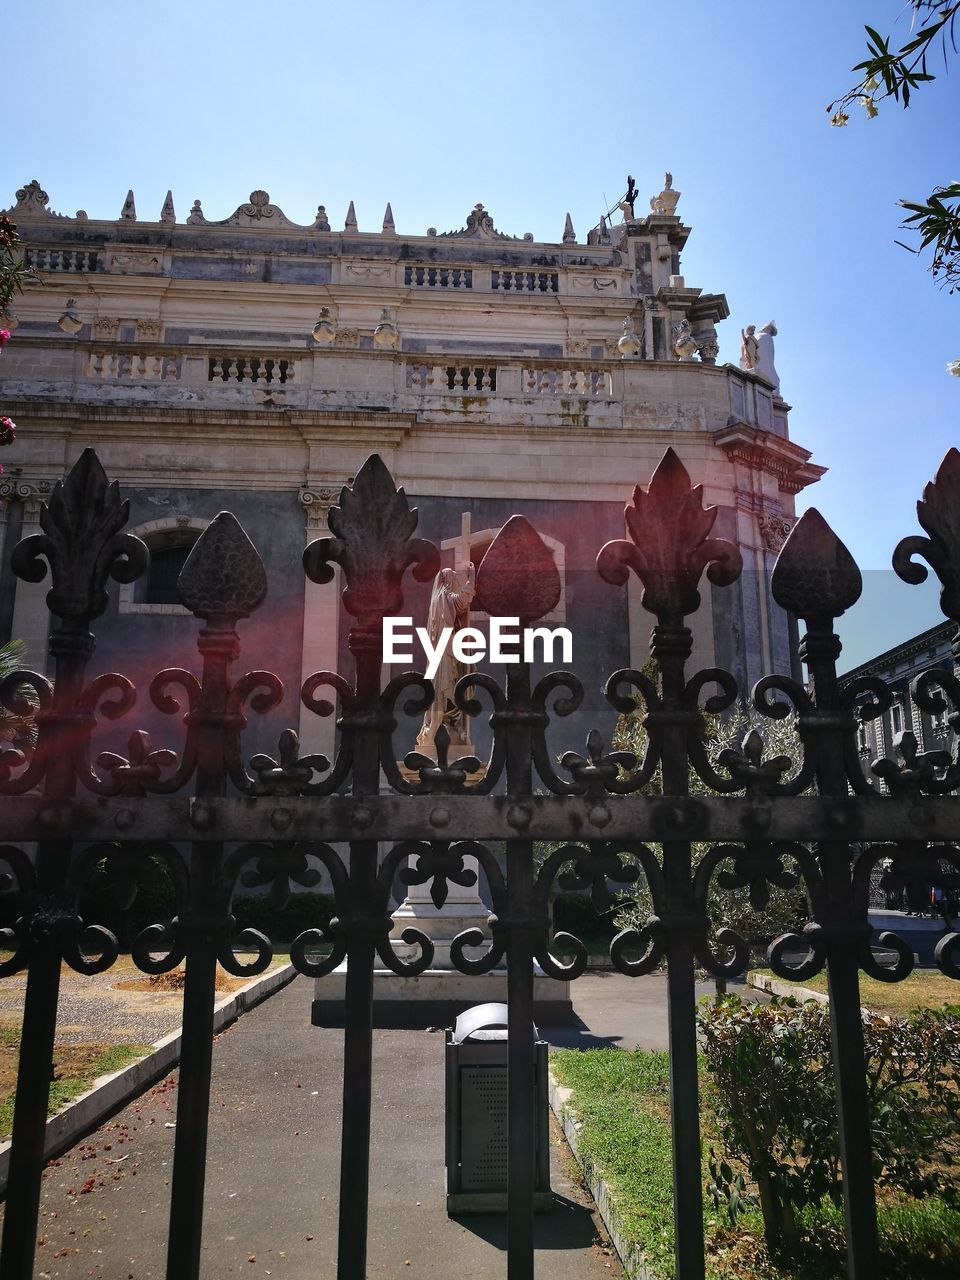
(537, 109)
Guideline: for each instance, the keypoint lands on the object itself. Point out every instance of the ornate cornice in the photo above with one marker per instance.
(764, 451)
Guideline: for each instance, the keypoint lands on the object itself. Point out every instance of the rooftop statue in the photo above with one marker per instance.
(765, 365)
(749, 348)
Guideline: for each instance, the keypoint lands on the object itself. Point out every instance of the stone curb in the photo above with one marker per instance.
(630, 1255)
(110, 1092)
(775, 987)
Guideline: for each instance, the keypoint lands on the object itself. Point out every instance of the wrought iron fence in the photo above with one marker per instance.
(108, 816)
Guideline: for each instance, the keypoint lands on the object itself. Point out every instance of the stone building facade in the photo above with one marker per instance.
(250, 363)
(931, 650)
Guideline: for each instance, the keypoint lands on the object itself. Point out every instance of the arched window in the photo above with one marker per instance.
(170, 542)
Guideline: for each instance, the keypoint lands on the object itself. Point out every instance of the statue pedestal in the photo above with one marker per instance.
(437, 996)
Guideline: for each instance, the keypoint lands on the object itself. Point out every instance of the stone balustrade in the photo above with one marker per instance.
(104, 365)
(251, 368)
(60, 260)
(635, 393)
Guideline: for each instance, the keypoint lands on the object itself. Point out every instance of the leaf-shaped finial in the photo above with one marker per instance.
(939, 514)
(669, 527)
(518, 576)
(224, 575)
(82, 543)
(815, 575)
(373, 524)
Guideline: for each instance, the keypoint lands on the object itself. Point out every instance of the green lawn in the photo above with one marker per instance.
(76, 1067)
(622, 1100)
(925, 988)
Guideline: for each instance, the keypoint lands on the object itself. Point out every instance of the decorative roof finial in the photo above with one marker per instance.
(195, 217)
(168, 214)
(350, 226)
(129, 211)
(389, 227)
(569, 235)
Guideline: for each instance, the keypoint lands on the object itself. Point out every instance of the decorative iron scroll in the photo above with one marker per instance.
(216, 820)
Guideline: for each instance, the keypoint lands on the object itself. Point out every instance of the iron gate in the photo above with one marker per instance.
(107, 816)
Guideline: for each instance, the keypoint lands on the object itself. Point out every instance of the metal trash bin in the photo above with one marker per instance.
(476, 1113)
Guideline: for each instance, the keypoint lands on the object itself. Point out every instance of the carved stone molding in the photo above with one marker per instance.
(479, 227)
(763, 451)
(774, 530)
(149, 330)
(105, 328)
(317, 503)
(32, 202)
(128, 262)
(31, 493)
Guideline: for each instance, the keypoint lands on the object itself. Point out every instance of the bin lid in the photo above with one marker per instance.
(483, 1017)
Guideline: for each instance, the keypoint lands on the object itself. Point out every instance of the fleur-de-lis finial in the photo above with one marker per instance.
(939, 514)
(373, 543)
(670, 548)
(82, 543)
(442, 774)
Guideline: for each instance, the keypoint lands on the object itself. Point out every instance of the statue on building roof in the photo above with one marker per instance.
(749, 348)
(765, 366)
(666, 201)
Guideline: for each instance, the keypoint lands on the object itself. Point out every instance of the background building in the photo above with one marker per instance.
(252, 364)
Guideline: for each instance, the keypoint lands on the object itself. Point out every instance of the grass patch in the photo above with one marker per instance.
(925, 989)
(622, 1101)
(76, 1066)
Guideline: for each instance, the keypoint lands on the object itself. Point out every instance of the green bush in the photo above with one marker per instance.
(775, 1106)
(575, 913)
(156, 901)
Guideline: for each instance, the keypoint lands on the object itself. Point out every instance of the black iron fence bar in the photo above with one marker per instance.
(882, 819)
(82, 545)
(816, 557)
(81, 819)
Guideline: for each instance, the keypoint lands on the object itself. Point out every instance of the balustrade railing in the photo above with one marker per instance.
(243, 368)
(134, 366)
(525, 281)
(425, 277)
(582, 380)
(38, 259)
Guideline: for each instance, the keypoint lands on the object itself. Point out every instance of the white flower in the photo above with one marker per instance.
(871, 85)
(954, 368)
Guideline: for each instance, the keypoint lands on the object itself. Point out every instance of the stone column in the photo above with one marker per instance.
(321, 612)
(31, 619)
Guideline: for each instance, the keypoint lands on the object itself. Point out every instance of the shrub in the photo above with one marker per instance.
(773, 1095)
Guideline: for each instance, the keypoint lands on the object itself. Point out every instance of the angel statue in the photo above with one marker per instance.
(453, 590)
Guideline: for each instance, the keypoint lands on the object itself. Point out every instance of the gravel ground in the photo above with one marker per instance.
(93, 1010)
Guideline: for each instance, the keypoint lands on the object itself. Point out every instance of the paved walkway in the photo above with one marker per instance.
(273, 1163)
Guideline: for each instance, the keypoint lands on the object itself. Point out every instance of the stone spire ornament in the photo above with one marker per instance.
(569, 235)
(350, 226)
(389, 227)
(168, 214)
(129, 211)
